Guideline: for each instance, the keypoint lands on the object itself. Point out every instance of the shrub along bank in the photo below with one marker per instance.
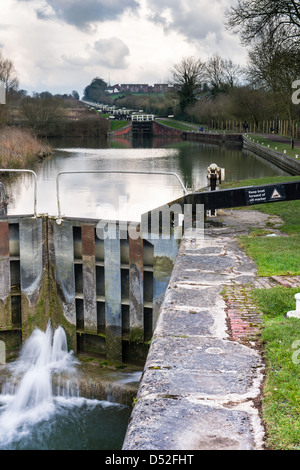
(31, 120)
(56, 116)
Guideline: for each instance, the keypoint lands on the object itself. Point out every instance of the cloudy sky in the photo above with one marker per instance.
(61, 45)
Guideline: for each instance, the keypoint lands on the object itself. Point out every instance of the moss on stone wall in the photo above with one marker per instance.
(48, 307)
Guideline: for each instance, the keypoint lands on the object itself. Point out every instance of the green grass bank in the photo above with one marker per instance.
(273, 142)
(280, 335)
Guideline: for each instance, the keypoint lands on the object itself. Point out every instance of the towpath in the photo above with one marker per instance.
(201, 386)
(281, 139)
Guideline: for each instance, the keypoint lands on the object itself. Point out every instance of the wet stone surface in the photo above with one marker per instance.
(200, 385)
(203, 367)
(196, 321)
(186, 424)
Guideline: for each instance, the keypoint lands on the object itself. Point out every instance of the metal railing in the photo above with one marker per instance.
(2, 170)
(112, 172)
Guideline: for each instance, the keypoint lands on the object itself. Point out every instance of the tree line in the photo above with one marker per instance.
(47, 115)
(219, 90)
(211, 90)
(262, 91)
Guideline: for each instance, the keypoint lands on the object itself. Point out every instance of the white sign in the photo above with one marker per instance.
(2, 93)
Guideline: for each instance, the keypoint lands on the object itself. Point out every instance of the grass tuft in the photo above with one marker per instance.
(20, 148)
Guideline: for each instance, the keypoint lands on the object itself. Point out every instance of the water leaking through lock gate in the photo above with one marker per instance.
(41, 404)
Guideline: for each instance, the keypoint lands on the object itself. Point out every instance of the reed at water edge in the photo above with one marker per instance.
(20, 148)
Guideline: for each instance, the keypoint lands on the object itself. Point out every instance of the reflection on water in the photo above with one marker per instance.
(124, 196)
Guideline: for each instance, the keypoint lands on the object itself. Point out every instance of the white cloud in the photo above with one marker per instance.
(192, 19)
(110, 52)
(61, 45)
(82, 13)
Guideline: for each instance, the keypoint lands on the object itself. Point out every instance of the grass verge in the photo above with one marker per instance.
(176, 124)
(281, 340)
(116, 125)
(278, 255)
(280, 335)
(282, 147)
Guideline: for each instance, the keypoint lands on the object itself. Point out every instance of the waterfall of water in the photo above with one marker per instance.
(28, 396)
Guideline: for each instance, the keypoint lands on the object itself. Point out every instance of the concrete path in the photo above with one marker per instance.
(201, 387)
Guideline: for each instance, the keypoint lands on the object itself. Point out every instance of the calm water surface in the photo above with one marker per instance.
(126, 196)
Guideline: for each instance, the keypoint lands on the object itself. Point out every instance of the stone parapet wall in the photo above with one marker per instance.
(199, 388)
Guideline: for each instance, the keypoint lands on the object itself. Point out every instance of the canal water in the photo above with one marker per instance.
(76, 423)
(126, 196)
(40, 404)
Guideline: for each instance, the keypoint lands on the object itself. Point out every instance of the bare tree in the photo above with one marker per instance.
(272, 28)
(9, 77)
(273, 68)
(249, 18)
(222, 74)
(42, 111)
(8, 74)
(188, 77)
